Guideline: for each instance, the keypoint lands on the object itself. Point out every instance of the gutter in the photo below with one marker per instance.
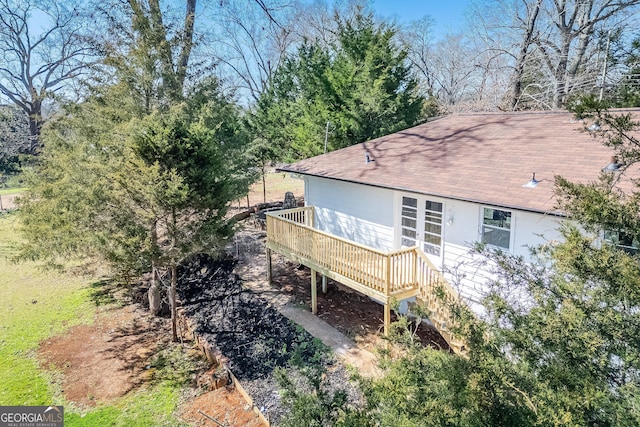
(408, 190)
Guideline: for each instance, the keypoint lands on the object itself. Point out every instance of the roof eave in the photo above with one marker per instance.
(409, 190)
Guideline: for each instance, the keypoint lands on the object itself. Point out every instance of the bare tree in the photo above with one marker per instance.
(550, 44)
(417, 37)
(528, 20)
(576, 22)
(39, 62)
(250, 39)
(454, 71)
(318, 23)
(460, 72)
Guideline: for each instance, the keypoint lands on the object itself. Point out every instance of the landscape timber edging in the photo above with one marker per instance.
(215, 357)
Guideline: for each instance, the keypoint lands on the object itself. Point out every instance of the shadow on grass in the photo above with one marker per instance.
(176, 364)
(8, 224)
(103, 292)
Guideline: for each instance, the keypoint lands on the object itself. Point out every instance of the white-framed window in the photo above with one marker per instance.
(622, 240)
(432, 228)
(409, 218)
(496, 227)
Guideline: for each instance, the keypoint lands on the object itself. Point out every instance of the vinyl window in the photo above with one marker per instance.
(496, 227)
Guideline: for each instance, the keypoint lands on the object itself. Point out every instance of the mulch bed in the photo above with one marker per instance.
(254, 337)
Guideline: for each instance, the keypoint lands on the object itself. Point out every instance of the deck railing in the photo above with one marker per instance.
(401, 274)
(437, 296)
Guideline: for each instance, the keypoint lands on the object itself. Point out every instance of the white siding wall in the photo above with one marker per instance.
(469, 272)
(360, 213)
(371, 216)
(534, 229)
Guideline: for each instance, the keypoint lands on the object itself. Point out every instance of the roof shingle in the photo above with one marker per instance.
(484, 158)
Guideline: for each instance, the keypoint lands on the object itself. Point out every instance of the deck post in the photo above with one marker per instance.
(324, 284)
(387, 318)
(314, 292)
(269, 267)
(387, 293)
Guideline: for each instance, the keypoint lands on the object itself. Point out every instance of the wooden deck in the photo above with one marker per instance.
(384, 276)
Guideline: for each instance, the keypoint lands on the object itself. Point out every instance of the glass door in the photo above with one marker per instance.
(409, 225)
(432, 236)
(421, 225)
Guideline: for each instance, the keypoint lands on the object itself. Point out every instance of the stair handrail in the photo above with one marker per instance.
(441, 321)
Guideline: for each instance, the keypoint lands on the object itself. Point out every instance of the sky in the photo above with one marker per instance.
(447, 14)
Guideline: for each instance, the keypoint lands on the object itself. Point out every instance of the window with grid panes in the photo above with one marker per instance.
(409, 221)
(432, 228)
(623, 240)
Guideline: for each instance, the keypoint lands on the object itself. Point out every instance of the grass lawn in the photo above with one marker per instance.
(277, 184)
(7, 191)
(37, 305)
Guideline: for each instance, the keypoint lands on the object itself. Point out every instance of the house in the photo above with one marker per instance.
(435, 189)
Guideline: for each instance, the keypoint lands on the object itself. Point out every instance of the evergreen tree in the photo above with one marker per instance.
(361, 85)
(566, 350)
(627, 93)
(136, 193)
(141, 174)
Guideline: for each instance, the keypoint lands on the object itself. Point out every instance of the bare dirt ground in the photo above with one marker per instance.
(355, 315)
(98, 363)
(105, 360)
(8, 201)
(225, 405)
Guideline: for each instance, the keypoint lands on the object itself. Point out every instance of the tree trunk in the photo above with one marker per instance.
(153, 294)
(187, 43)
(155, 299)
(560, 75)
(174, 278)
(158, 38)
(264, 185)
(584, 39)
(35, 127)
(155, 34)
(516, 85)
(173, 299)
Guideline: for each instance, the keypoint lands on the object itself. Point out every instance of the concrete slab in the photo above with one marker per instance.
(362, 360)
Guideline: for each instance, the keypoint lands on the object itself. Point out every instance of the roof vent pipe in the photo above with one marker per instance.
(533, 182)
(367, 157)
(614, 166)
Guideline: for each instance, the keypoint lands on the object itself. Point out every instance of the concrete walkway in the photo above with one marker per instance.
(249, 248)
(362, 360)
